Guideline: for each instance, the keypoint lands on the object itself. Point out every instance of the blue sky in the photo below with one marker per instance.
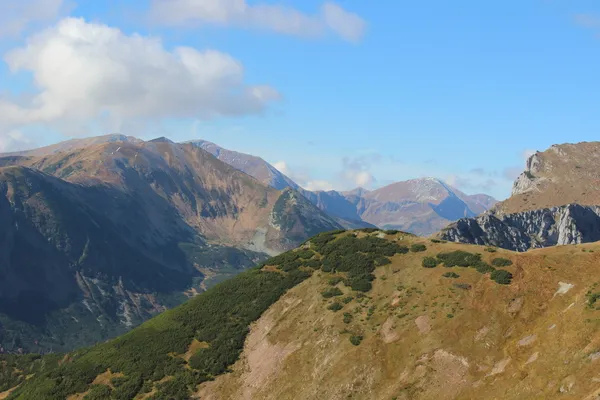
(369, 94)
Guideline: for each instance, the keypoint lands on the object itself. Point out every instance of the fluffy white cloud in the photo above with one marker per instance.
(302, 178)
(277, 18)
(356, 171)
(16, 15)
(85, 71)
(317, 185)
(13, 140)
(282, 167)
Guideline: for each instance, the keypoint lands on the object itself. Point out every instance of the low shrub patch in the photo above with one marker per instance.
(501, 262)
(331, 293)
(430, 262)
(356, 339)
(501, 276)
(418, 247)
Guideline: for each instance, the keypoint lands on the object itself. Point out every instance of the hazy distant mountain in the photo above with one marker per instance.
(252, 165)
(421, 206)
(96, 237)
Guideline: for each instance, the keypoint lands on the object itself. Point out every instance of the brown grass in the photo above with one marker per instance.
(479, 345)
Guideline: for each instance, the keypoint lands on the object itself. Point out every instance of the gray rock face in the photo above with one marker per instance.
(569, 224)
(527, 181)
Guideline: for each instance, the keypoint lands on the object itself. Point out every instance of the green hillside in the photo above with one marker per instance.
(169, 355)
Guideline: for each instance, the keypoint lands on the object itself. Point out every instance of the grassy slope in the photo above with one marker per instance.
(371, 348)
(427, 336)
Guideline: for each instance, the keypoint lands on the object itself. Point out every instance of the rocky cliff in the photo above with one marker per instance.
(555, 201)
(569, 224)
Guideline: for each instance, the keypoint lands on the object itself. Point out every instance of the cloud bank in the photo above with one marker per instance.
(277, 18)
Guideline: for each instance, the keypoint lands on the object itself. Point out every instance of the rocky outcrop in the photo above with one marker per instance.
(569, 224)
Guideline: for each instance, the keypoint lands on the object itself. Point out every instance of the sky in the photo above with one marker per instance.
(334, 94)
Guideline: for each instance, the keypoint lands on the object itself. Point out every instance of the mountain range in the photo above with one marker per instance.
(364, 314)
(421, 206)
(98, 235)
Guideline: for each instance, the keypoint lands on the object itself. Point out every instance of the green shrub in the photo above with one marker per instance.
(347, 299)
(305, 254)
(347, 318)
(592, 299)
(356, 339)
(501, 276)
(451, 275)
(335, 306)
(490, 249)
(380, 261)
(483, 267)
(418, 247)
(98, 392)
(501, 262)
(391, 231)
(314, 264)
(459, 258)
(335, 280)
(430, 262)
(331, 293)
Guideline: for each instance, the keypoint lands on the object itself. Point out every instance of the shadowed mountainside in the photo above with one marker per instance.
(96, 239)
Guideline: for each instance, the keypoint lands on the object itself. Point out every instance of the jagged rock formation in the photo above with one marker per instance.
(555, 201)
(569, 224)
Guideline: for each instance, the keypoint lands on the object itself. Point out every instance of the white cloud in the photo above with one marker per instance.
(88, 71)
(277, 18)
(13, 141)
(302, 178)
(318, 185)
(16, 15)
(356, 171)
(282, 167)
(348, 25)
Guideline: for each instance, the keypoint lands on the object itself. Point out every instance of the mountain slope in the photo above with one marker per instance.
(563, 174)
(422, 206)
(413, 333)
(97, 239)
(554, 201)
(252, 165)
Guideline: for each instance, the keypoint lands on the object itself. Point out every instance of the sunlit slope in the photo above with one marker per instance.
(361, 315)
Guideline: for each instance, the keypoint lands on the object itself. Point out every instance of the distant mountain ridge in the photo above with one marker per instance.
(422, 206)
(97, 235)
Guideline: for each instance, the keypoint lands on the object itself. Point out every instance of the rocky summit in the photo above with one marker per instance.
(555, 201)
